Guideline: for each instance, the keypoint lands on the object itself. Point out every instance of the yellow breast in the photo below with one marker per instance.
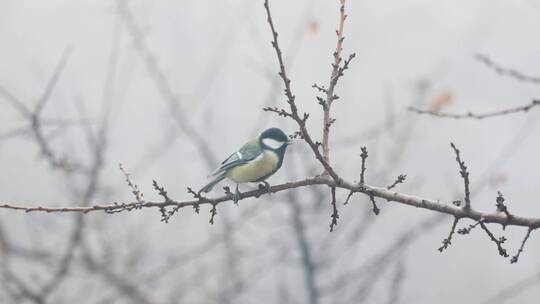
(261, 166)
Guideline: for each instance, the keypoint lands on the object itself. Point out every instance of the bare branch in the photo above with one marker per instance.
(397, 281)
(379, 192)
(36, 122)
(134, 188)
(15, 102)
(504, 71)
(399, 180)
(308, 264)
(468, 229)
(130, 289)
(337, 72)
(465, 175)
(519, 109)
(448, 241)
(52, 82)
(497, 241)
(375, 209)
(501, 207)
(515, 258)
(301, 121)
(335, 214)
(364, 156)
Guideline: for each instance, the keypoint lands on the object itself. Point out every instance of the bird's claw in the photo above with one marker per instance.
(266, 187)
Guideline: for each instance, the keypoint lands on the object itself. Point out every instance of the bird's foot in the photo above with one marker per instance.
(236, 196)
(266, 187)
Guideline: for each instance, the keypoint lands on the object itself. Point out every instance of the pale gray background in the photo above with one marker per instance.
(217, 57)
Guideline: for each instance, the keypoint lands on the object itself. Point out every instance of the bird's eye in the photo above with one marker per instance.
(272, 143)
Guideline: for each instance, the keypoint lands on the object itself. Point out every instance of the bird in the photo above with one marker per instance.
(255, 161)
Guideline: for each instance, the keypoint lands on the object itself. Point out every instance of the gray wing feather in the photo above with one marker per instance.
(248, 152)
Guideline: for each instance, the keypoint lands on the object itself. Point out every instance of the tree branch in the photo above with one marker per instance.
(504, 71)
(379, 192)
(337, 72)
(524, 109)
(301, 121)
(465, 175)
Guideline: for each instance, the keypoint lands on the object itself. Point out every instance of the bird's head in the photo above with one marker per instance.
(274, 139)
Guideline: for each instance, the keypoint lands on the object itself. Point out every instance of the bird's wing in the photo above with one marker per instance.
(248, 152)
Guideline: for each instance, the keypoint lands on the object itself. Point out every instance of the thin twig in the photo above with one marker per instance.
(504, 71)
(497, 241)
(448, 241)
(468, 229)
(515, 258)
(337, 72)
(375, 209)
(465, 175)
(139, 196)
(364, 156)
(335, 214)
(52, 82)
(524, 109)
(399, 180)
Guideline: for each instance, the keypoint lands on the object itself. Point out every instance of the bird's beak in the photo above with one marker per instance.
(290, 142)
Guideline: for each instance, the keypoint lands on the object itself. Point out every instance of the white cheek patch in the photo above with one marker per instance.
(272, 143)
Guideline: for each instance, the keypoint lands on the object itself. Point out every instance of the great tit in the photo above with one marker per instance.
(256, 161)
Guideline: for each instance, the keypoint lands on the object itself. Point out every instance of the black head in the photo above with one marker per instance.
(274, 139)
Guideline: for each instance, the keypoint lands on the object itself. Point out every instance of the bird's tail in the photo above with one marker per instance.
(212, 183)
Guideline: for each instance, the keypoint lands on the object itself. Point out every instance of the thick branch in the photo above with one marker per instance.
(380, 192)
